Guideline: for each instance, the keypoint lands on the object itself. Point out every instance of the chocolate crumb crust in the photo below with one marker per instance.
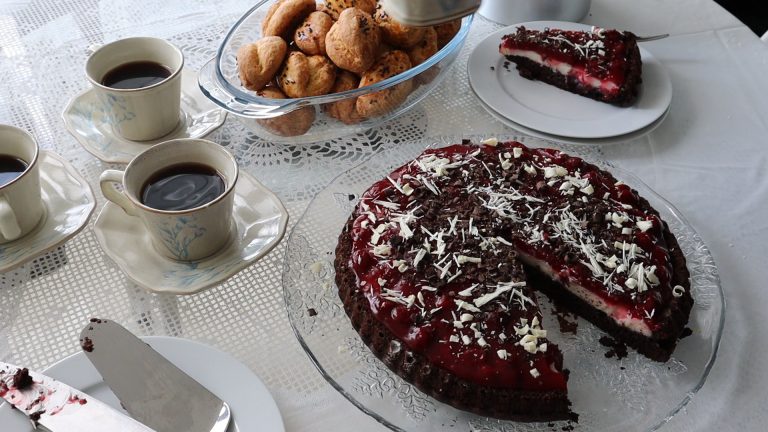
(526, 175)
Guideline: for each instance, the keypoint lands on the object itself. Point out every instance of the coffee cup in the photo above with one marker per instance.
(21, 207)
(183, 191)
(138, 82)
(509, 12)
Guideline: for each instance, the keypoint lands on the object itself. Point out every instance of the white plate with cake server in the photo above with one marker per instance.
(259, 220)
(550, 110)
(68, 204)
(86, 121)
(253, 408)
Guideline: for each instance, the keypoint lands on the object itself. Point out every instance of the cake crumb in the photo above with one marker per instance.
(22, 380)
(86, 344)
(617, 349)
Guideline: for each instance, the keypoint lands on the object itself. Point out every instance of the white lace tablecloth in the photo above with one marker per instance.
(709, 158)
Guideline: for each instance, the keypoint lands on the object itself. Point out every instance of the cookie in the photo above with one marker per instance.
(304, 75)
(284, 15)
(294, 123)
(396, 34)
(334, 8)
(446, 32)
(425, 48)
(344, 110)
(310, 34)
(353, 41)
(389, 65)
(258, 62)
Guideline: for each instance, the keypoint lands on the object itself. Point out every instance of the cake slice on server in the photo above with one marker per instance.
(601, 64)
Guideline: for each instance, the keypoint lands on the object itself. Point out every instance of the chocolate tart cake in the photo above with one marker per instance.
(601, 64)
(439, 265)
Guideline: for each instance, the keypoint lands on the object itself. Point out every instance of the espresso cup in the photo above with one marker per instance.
(138, 114)
(184, 235)
(21, 207)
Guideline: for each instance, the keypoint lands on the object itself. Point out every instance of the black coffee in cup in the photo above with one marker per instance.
(182, 187)
(11, 167)
(135, 75)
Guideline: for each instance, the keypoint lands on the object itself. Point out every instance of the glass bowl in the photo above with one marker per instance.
(219, 81)
(633, 393)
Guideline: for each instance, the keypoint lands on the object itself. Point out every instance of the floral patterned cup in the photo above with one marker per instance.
(145, 113)
(184, 235)
(21, 206)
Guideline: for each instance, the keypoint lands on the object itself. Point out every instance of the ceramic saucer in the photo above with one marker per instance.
(85, 120)
(68, 202)
(259, 220)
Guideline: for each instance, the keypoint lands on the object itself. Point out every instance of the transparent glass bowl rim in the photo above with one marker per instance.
(438, 141)
(247, 98)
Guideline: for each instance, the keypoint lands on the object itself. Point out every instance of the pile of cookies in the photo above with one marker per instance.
(310, 49)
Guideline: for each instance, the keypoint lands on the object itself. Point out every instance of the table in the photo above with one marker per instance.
(709, 158)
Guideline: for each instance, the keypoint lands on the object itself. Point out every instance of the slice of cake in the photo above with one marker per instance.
(600, 64)
(439, 264)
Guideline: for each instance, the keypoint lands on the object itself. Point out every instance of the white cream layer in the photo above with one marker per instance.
(564, 68)
(620, 314)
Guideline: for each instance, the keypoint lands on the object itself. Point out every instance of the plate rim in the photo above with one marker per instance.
(473, 67)
(618, 139)
(437, 141)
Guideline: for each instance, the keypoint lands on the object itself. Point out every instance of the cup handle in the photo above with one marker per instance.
(92, 49)
(9, 226)
(107, 182)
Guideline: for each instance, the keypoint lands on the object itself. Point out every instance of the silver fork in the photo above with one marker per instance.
(652, 38)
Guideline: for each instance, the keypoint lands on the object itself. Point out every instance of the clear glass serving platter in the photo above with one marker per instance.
(219, 81)
(608, 394)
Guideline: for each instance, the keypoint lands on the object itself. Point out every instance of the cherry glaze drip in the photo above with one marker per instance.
(429, 334)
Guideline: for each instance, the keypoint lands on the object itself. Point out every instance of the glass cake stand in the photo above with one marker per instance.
(633, 393)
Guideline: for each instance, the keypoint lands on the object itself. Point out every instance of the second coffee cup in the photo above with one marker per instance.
(138, 81)
(183, 191)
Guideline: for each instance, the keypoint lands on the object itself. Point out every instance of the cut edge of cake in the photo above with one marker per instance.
(437, 382)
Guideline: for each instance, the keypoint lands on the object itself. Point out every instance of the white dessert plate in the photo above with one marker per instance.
(253, 408)
(68, 204)
(578, 141)
(259, 219)
(548, 109)
(86, 121)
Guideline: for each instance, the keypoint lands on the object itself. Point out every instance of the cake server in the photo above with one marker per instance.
(151, 388)
(59, 407)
